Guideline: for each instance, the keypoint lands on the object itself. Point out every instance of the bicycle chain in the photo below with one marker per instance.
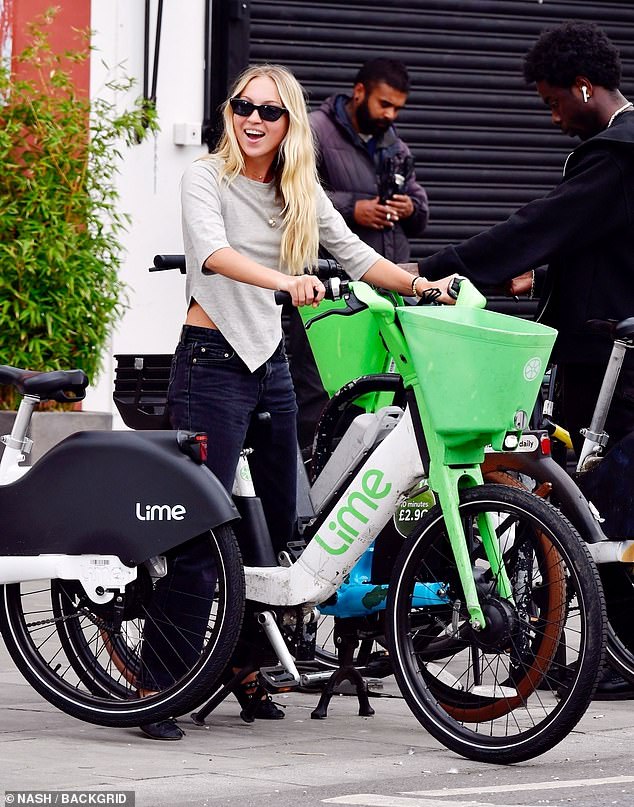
(54, 620)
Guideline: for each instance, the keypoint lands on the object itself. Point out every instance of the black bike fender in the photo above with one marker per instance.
(571, 500)
(130, 494)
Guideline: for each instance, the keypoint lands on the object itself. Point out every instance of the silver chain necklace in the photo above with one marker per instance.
(628, 105)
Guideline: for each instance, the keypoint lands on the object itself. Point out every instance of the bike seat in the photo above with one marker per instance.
(610, 327)
(64, 386)
(624, 329)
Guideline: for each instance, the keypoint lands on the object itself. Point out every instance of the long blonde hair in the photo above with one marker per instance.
(294, 167)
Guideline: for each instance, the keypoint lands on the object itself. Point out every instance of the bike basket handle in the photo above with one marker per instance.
(336, 289)
(163, 262)
(465, 293)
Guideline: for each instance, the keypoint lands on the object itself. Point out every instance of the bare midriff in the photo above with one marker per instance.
(197, 316)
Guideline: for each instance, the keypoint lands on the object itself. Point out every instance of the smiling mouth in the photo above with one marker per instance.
(253, 134)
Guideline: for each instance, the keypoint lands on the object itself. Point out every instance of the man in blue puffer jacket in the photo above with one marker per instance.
(366, 169)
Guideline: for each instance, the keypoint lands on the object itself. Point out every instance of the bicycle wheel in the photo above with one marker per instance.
(515, 689)
(89, 660)
(617, 580)
(618, 585)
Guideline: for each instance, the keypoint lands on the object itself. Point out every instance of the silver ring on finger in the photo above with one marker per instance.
(389, 217)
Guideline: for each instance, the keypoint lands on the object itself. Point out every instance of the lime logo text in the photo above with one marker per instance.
(344, 528)
(160, 512)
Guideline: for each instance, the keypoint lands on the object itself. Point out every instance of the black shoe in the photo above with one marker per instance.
(267, 710)
(613, 687)
(162, 730)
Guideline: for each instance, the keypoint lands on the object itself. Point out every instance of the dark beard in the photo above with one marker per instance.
(366, 123)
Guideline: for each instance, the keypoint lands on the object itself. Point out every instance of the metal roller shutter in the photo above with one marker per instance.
(482, 141)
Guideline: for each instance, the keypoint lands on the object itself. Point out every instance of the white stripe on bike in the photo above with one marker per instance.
(556, 785)
(375, 800)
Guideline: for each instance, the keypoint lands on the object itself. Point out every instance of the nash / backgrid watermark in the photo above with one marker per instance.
(81, 797)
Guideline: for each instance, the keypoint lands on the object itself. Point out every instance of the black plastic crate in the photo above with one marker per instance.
(140, 389)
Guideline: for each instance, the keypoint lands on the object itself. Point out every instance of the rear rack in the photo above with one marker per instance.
(140, 389)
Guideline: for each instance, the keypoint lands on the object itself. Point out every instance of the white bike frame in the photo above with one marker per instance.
(100, 575)
(352, 523)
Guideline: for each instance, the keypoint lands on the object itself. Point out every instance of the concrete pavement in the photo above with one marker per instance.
(387, 760)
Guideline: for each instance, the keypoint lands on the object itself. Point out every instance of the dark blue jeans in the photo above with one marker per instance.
(212, 390)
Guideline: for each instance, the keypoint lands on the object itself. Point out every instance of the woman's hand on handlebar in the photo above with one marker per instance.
(304, 289)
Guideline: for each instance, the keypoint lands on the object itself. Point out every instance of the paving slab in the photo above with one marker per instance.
(293, 761)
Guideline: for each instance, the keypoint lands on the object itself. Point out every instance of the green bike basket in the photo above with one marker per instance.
(477, 369)
(346, 344)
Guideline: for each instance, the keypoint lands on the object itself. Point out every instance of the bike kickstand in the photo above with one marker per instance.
(346, 670)
(220, 694)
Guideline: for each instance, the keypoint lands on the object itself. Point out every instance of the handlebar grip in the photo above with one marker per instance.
(453, 289)
(327, 268)
(465, 293)
(163, 262)
(336, 289)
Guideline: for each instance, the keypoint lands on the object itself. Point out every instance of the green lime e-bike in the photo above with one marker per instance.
(493, 586)
(470, 378)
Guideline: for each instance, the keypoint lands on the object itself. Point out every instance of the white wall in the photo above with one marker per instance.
(150, 172)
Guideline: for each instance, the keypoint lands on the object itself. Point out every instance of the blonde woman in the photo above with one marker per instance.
(254, 215)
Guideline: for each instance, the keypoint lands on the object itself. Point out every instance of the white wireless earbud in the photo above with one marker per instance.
(584, 92)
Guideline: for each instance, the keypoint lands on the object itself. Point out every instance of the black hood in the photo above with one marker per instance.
(621, 132)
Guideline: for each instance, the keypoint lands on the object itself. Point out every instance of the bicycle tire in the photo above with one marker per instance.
(618, 585)
(618, 588)
(82, 678)
(499, 698)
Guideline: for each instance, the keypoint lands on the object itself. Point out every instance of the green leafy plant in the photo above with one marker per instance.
(60, 223)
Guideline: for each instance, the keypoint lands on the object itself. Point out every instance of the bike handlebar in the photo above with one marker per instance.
(324, 268)
(163, 262)
(327, 269)
(460, 289)
(336, 288)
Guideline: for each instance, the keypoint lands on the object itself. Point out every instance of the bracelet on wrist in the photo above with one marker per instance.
(414, 291)
(531, 293)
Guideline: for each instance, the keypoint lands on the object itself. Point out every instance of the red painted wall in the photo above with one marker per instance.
(73, 15)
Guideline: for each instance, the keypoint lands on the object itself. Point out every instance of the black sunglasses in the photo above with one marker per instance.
(265, 111)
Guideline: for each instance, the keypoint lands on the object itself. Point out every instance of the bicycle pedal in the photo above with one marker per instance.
(277, 678)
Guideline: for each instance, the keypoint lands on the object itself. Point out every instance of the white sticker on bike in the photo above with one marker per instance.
(532, 368)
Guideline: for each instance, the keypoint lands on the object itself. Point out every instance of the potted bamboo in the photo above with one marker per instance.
(60, 226)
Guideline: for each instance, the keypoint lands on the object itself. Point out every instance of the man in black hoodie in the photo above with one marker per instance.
(583, 229)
